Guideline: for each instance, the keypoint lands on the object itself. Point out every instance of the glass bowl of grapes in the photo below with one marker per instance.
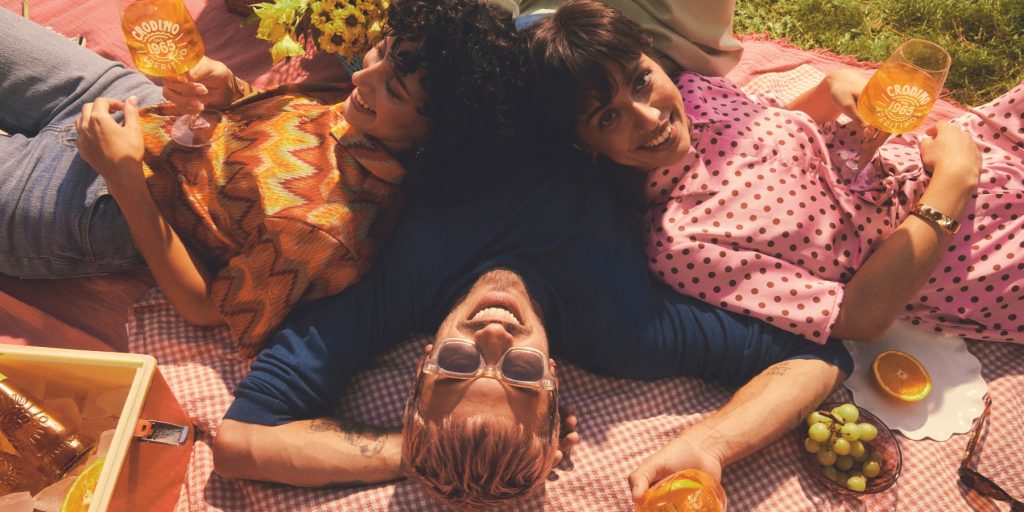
(849, 450)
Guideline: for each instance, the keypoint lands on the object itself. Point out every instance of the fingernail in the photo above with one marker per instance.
(133, 100)
(201, 89)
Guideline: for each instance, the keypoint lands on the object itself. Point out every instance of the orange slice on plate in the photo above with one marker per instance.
(900, 376)
(80, 495)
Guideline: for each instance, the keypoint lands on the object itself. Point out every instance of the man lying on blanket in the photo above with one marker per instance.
(547, 261)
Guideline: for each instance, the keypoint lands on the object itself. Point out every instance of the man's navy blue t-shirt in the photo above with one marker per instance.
(572, 239)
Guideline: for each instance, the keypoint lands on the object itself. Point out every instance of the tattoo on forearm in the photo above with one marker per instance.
(369, 439)
(778, 370)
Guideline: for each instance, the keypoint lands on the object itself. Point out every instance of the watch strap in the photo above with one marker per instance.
(948, 224)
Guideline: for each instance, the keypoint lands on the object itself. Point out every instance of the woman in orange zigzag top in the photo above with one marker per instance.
(289, 204)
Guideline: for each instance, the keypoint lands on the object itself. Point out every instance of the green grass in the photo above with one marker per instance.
(985, 38)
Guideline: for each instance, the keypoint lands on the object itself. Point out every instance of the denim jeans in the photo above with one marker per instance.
(57, 218)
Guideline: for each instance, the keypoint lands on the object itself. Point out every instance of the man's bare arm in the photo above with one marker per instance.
(308, 453)
(761, 411)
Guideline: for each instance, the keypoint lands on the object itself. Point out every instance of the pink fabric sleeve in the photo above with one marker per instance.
(750, 283)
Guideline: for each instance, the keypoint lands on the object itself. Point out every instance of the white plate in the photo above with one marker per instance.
(957, 386)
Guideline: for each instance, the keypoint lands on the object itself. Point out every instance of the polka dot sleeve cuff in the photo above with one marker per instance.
(746, 282)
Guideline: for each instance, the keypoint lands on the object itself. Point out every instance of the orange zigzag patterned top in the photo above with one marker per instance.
(290, 204)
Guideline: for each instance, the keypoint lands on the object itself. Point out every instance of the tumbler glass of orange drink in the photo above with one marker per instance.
(164, 41)
(689, 490)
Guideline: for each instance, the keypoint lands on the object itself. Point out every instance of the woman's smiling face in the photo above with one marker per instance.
(644, 126)
(386, 105)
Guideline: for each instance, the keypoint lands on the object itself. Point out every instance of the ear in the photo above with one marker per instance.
(583, 148)
(423, 358)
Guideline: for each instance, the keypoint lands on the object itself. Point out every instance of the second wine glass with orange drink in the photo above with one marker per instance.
(901, 93)
(164, 41)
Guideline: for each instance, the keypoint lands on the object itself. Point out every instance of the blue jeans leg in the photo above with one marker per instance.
(57, 217)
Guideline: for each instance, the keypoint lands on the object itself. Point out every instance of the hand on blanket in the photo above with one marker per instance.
(209, 82)
(112, 149)
(677, 455)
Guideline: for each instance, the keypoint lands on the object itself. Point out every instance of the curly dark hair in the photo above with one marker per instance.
(474, 83)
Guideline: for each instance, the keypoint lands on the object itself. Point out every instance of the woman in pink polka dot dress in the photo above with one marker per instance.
(752, 208)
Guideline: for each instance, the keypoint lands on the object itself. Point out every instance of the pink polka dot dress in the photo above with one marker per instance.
(763, 218)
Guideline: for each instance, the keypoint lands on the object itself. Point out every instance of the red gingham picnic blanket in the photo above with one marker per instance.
(621, 421)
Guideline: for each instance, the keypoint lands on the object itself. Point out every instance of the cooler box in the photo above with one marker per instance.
(149, 453)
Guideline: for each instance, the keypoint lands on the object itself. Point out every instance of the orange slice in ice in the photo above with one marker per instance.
(80, 496)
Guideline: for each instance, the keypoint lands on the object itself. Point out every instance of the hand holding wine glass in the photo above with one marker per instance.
(902, 91)
(900, 94)
(208, 83)
(164, 41)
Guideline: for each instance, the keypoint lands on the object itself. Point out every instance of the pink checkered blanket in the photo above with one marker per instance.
(621, 421)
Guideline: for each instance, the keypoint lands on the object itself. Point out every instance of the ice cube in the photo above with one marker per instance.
(100, 403)
(16, 502)
(66, 411)
(91, 429)
(103, 446)
(51, 498)
(32, 385)
(55, 390)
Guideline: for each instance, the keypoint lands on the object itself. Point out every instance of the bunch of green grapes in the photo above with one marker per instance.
(842, 446)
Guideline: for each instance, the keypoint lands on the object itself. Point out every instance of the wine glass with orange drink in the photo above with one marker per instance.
(164, 41)
(901, 93)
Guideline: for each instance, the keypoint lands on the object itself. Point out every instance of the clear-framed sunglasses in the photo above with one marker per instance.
(519, 366)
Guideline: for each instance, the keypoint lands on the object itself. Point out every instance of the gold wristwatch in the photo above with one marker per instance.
(948, 224)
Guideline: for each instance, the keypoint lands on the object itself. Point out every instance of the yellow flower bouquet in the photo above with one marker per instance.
(348, 28)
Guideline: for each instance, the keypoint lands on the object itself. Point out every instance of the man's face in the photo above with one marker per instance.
(385, 105)
(496, 314)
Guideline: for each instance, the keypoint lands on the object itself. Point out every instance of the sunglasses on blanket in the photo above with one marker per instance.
(519, 366)
(974, 480)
